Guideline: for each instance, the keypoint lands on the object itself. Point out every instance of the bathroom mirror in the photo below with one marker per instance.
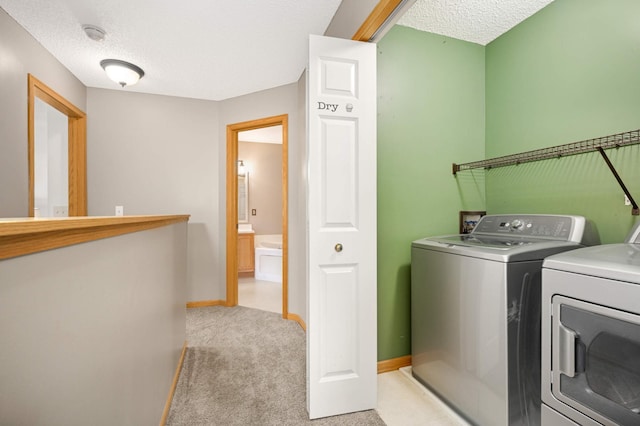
(243, 197)
(51, 179)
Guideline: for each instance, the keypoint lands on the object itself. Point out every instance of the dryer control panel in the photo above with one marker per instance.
(556, 227)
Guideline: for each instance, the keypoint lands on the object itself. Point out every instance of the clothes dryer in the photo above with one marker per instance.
(591, 335)
(475, 314)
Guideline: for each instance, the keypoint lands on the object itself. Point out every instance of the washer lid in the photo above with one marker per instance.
(612, 261)
(479, 240)
(513, 237)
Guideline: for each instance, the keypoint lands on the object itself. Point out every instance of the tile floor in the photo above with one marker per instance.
(263, 295)
(402, 401)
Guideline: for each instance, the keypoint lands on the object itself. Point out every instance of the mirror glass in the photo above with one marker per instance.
(243, 197)
(57, 147)
(51, 162)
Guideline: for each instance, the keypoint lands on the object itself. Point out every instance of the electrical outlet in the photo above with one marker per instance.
(626, 200)
(253, 212)
(119, 210)
(60, 211)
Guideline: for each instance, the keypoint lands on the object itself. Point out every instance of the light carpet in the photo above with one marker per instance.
(244, 366)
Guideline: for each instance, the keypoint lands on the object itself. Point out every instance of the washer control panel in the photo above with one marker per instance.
(545, 226)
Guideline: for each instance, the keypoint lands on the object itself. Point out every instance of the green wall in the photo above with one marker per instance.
(430, 114)
(570, 72)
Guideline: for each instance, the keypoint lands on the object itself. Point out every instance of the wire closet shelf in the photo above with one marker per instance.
(589, 145)
(613, 141)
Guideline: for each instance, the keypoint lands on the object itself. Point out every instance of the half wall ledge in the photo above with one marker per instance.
(22, 236)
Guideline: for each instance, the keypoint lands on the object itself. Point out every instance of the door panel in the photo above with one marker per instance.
(338, 344)
(341, 333)
(338, 77)
(339, 171)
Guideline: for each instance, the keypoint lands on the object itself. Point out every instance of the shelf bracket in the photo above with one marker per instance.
(635, 211)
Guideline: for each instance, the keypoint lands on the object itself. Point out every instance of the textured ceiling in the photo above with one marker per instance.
(218, 49)
(206, 49)
(477, 21)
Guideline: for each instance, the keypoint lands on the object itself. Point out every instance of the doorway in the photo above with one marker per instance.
(232, 204)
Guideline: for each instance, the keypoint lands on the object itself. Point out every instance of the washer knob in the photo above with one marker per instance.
(517, 224)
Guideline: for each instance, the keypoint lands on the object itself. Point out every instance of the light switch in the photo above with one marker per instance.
(253, 212)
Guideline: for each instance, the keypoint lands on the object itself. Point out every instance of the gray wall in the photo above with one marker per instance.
(166, 155)
(20, 55)
(92, 333)
(159, 155)
(264, 163)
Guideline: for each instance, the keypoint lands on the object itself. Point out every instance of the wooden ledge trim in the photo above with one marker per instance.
(23, 236)
(394, 364)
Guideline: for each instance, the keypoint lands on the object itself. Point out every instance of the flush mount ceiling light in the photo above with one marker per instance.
(123, 73)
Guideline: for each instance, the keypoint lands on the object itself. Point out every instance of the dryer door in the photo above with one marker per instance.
(596, 360)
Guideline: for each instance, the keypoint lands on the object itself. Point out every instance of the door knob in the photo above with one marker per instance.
(338, 247)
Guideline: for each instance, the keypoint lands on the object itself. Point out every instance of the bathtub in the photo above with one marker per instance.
(268, 257)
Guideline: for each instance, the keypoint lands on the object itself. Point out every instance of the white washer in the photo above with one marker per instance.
(475, 314)
(591, 335)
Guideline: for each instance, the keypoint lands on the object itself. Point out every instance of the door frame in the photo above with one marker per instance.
(232, 205)
(77, 143)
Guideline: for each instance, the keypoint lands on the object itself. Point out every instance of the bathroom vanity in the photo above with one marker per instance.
(246, 259)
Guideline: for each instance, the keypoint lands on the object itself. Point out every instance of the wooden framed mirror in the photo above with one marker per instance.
(76, 148)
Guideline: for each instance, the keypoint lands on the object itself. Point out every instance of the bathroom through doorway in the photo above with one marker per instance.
(257, 214)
